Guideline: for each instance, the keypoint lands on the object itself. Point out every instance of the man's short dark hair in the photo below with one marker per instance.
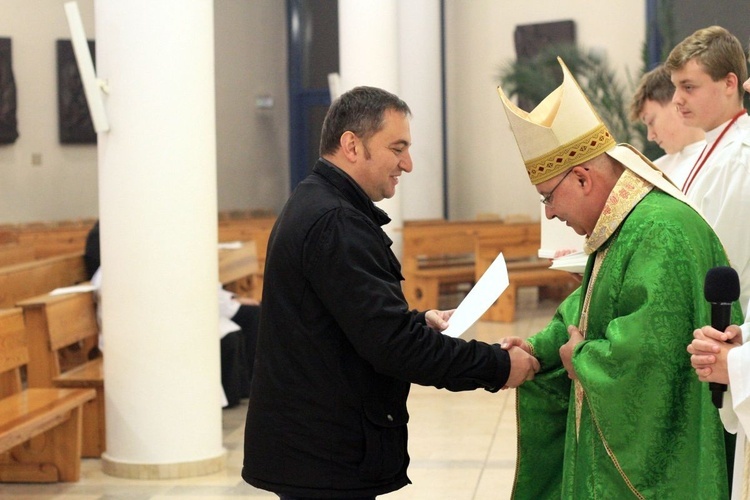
(359, 111)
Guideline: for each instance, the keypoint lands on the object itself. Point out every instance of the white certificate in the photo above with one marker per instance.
(481, 296)
(86, 287)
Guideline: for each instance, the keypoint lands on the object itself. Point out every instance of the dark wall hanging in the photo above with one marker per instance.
(8, 121)
(75, 122)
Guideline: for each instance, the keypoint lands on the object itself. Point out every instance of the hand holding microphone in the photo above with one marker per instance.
(721, 288)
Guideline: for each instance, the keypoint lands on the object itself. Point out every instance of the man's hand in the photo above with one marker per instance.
(709, 350)
(438, 320)
(508, 342)
(523, 367)
(566, 351)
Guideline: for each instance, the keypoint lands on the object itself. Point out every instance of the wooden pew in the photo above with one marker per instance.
(235, 264)
(28, 279)
(55, 238)
(53, 323)
(519, 247)
(40, 428)
(8, 233)
(247, 228)
(439, 253)
(16, 253)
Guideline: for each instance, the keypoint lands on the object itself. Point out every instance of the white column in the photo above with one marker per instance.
(158, 212)
(396, 46)
(369, 55)
(420, 70)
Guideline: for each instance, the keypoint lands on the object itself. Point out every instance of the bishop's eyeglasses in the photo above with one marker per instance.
(547, 198)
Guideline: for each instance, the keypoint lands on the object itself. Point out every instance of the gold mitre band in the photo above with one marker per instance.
(583, 148)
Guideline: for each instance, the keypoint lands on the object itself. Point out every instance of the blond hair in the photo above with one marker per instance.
(717, 50)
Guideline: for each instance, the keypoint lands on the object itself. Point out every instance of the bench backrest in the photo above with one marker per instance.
(436, 240)
(13, 351)
(29, 279)
(54, 322)
(244, 229)
(16, 253)
(237, 263)
(440, 238)
(50, 239)
(519, 242)
(257, 229)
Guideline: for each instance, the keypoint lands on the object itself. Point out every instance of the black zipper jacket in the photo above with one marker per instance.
(338, 349)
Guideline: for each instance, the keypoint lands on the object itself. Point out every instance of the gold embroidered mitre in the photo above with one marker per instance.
(563, 131)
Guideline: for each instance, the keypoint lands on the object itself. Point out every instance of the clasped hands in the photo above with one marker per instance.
(527, 373)
(523, 363)
(709, 350)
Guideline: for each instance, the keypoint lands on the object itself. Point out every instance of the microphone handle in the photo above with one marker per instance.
(721, 314)
(717, 393)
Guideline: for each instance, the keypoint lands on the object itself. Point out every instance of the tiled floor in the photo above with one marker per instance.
(462, 446)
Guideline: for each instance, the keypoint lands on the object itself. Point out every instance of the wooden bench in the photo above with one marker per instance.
(242, 227)
(16, 253)
(8, 233)
(519, 249)
(53, 324)
(40, 428)
(28, 279)
(55, 238)
(236, 264)
(439, 254)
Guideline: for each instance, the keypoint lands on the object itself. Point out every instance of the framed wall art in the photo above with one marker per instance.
(74, 118)
(8, 103)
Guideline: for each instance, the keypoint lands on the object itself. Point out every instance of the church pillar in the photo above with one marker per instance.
(158, 217)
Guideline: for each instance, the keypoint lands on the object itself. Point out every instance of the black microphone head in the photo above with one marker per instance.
(722, 285)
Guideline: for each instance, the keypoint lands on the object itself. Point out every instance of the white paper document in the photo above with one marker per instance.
(73, 289)
(230, 245)
(481, 296)
(573, 263)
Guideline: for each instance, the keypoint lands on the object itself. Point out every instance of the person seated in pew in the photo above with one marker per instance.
(238, 328)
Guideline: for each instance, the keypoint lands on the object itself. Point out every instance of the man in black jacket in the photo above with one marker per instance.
(338, 346)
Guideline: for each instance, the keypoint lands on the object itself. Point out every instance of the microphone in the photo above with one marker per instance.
(721, 288)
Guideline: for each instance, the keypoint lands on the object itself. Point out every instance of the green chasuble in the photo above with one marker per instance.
(647, 426)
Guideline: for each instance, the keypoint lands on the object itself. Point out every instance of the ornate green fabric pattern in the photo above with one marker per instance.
(648, 428)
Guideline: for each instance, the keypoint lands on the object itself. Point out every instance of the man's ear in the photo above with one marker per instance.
(583, 178)
(349, 143)
(732, 83)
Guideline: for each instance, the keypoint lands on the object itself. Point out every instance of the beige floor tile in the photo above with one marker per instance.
(435, 481)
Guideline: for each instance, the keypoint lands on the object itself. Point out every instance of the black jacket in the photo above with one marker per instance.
(338, 349)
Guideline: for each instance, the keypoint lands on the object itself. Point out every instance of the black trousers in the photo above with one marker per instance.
(248, 318)
(232, 370)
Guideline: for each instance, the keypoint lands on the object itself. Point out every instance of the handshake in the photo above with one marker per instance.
(523, 364)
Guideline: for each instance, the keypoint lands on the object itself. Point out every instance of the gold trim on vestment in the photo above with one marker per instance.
(582, 327)
(629, 190)
(612, 457)
(593, 143)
